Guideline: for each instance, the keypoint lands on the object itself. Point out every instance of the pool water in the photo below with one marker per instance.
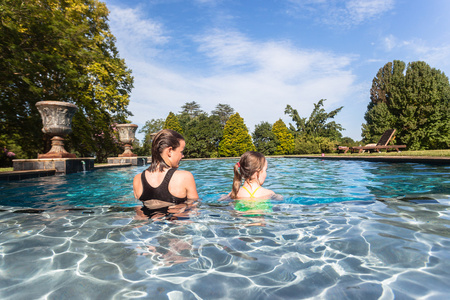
(344, 230)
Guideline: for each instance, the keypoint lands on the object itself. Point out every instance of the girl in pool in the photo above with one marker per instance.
(252, 167)
(163, 188)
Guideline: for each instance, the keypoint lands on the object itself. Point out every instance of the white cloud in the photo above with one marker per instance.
(135, 31)
(257, 78)
(361, 10)
(418, 49)
(226, 48)
(279, 74)
(389, 42)
(129, 22)
(343, 12)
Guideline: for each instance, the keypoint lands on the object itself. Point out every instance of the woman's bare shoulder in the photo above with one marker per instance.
(137, 179)
(183, 173)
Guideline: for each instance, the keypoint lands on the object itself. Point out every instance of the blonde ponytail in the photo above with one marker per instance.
(236, 181)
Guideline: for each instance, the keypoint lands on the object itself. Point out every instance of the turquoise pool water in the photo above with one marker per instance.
(345, 230)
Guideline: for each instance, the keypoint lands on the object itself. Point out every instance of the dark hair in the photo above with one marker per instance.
(163, 139)
(250, 163)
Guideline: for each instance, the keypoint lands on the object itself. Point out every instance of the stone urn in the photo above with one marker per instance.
(126, 135)
(57, 122)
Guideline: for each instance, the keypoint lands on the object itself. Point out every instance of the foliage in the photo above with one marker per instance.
(348, 141)
(316, 124)
(285, 139)
(414, 101)
(61, 50)
(202, 135)
(202, 132)
(150, 127)
(264, 139)
(173, 123)
(9, 151)
(192, 109)
(223, 111)
(307, 144)
(236, 139)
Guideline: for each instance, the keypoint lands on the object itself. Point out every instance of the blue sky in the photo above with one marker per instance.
(260, 55)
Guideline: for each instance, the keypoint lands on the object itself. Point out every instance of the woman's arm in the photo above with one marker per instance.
(137, 186)
(191, 188)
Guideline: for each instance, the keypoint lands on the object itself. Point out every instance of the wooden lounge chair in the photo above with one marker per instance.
(343, 149)
(382, 144)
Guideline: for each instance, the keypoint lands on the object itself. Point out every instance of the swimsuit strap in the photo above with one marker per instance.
(251, 194)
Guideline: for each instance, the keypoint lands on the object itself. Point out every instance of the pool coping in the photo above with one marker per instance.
(27, 174)
(108, 166)
(443, 161)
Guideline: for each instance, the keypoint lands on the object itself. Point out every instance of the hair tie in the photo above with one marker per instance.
(238, 164)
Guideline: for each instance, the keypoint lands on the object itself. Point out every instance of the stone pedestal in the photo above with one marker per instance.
(61, 165)
(57, 150)
(135, 161)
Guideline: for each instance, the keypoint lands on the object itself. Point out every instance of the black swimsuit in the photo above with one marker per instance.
(161, 192)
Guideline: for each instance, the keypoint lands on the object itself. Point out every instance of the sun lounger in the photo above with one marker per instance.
(382, 144)
(344, 149)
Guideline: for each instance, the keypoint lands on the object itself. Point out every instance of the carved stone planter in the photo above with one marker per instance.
(57, 122)
(127, 135)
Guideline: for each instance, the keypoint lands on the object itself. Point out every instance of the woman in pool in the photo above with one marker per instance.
(162, 188)
(252, 167)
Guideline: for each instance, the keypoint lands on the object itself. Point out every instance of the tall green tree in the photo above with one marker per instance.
(223, 111)
(317, 124)
(387, 88)
(61, 50)
(285, 139)
(192, 109)
(203, 134)
(172, 122)
(264, 139)
(414, 101)
(236, 139)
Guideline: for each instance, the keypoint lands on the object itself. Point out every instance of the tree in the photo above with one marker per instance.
(317, 124)
(203, 134)
(223, 111)
(348, 141)
(379, 119)
(264, 139)
(285, 144)
(315, 134)
(415, 102)
(172, 123)
(236, 139)
(192, 109)
(61, 50)
(387, 86)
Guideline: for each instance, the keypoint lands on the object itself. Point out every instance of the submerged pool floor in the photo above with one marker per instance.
(386, 235)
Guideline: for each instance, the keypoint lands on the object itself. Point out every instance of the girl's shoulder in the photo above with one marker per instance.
(261, 193)
(264, 193)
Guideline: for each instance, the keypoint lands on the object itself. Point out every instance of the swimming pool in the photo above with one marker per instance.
(345, 229)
